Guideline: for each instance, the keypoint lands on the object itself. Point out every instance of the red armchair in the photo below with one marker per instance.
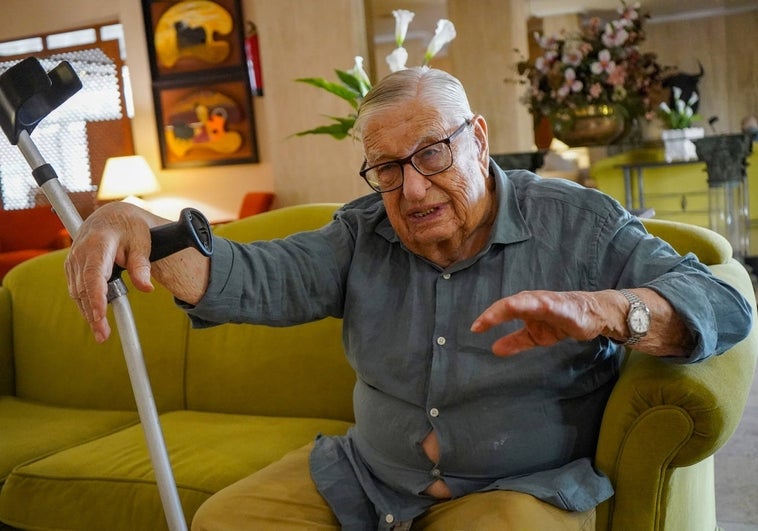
(255, 203)
(27, 233)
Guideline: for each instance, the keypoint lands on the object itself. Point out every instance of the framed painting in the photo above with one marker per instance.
(193, 36)
(206, 123)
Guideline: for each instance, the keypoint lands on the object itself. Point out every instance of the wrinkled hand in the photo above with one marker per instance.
(115, 233)
(550, 317)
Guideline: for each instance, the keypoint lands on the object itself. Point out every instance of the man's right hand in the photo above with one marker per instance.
(117, 233)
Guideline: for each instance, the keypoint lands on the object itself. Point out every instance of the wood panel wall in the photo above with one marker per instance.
(729, 87)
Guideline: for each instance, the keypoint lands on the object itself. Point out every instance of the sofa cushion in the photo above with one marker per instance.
(57, 360)
(32, 430)
(109, 484)
(302, 370)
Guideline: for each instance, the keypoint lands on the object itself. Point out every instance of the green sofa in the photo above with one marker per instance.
(235, 398)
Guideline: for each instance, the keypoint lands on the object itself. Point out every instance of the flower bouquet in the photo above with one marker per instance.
(600, 66)
(354, 83)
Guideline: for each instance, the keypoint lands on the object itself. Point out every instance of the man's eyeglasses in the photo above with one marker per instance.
(429, 160)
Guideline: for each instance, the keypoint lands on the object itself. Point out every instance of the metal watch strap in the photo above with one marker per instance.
(634, 301)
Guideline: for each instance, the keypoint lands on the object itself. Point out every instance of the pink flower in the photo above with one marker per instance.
(572, 53)
(617, 76)
(570, 83)
(614, 35)
(604, 63)
(629, 14)
(546, 42)
(596, 90)
(546, 61)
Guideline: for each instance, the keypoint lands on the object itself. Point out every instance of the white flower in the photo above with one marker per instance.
(360, 74)
(397, 59)
(444, 33)
(403, 18)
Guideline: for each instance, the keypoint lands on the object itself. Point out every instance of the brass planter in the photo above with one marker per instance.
(590, 125)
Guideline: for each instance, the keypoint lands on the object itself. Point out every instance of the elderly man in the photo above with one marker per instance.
(485, 314)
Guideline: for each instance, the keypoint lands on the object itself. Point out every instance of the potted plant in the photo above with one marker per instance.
(678, 132)
(596, 80)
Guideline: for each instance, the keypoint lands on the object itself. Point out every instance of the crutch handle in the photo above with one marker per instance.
(192, 229)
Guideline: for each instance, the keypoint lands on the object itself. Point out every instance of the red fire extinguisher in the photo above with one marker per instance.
(253, 53)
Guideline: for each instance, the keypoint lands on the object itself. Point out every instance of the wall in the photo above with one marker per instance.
(729, 87)
(306, 38)
(483, 58)
(298, 38)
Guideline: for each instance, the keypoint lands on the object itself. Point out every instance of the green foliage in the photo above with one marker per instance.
(351, 89)
(339, 130)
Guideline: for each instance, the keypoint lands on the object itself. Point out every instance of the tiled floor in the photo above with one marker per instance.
(737, 473)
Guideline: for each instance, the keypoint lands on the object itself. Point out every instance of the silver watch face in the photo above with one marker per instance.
(639, 320)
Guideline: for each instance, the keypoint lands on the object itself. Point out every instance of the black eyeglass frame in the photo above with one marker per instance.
(409, 159)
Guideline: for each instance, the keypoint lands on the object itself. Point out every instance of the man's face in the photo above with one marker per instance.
(444, 217)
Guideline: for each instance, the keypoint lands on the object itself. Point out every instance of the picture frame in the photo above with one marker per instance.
(193, 36)
(206, 123)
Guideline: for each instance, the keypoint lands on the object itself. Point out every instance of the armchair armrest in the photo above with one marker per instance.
(663, 416)
(7, 372)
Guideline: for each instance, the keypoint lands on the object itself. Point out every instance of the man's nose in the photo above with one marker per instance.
(415, 184)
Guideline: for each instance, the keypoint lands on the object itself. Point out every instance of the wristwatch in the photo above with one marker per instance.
(638, 318)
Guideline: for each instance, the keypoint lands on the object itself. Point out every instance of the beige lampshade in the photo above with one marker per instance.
(127, 176)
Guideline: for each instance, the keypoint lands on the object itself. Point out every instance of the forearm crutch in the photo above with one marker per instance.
(27, 95)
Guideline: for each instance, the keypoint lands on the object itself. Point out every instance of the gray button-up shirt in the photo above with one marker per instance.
(528, 422)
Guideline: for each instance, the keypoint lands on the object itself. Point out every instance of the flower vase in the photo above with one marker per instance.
(679, 145)
(589, 125)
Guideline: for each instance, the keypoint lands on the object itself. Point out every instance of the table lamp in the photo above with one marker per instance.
(127, 178)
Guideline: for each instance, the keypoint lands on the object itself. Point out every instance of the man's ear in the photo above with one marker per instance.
(482, 141)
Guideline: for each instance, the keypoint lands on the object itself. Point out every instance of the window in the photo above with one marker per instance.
(77, 137)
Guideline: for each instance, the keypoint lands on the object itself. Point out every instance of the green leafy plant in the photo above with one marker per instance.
(354, 84)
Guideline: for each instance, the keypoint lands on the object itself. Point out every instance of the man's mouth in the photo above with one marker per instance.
(424, 213)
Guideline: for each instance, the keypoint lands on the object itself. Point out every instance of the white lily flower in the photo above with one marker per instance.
(677, 92)
(360, 74)
(693, 99)
(397, 59)
(403, 18)
(679, 106)
(444, 33)
(664, 107)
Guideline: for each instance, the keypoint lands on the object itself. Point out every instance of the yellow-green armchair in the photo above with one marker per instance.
(664, 422)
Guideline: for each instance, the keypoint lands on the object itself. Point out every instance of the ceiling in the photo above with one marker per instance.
(661, 9)
(656, 8)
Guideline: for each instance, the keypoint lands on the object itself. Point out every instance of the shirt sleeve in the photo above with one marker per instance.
(717, 315)
(280, 282)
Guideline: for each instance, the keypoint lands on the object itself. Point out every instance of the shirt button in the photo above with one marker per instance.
(436, 472)
(434, 412)
(389, 518)
(441, 340)
(446, 276)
